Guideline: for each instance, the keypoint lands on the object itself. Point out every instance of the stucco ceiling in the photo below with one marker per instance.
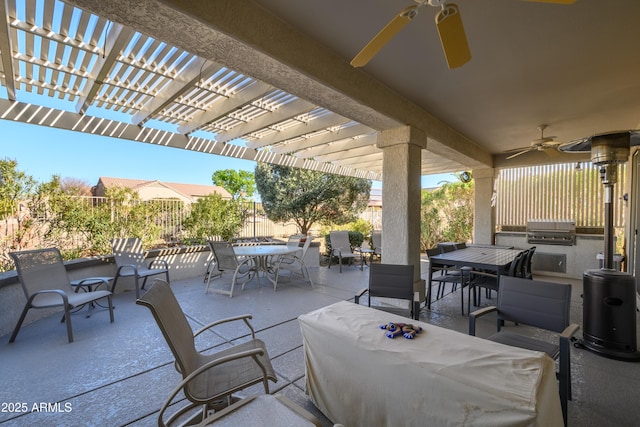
(572, 67)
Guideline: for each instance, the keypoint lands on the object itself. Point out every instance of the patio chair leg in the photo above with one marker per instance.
(110, 299)
(67, 315)
(17, 328)
(308, 275)
(137, 287)
(113, 285)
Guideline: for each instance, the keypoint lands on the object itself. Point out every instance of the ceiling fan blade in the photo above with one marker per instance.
(382, 38)
(452, 36)
(518, 153)
(552, 151)
(554, 1)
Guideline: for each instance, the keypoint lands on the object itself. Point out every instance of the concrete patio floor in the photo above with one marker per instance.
(120, 374)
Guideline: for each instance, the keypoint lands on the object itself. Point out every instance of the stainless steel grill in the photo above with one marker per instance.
(551, 232)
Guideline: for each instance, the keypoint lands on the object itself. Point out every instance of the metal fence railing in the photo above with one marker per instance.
(171, 214)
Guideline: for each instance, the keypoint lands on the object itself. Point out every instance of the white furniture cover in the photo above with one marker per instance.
(358, 377)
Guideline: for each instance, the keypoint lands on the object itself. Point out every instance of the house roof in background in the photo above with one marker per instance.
(192, 191)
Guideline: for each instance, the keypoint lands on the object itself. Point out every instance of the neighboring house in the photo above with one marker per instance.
(375, 198)
(149, 190)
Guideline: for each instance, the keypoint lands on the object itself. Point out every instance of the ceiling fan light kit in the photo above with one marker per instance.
(450, 29)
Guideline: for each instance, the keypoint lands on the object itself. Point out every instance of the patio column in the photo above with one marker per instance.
(401, 168)
(484, 216)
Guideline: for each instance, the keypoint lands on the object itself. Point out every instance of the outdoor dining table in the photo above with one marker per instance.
(263, 254)
(357, 376)
(495, 259)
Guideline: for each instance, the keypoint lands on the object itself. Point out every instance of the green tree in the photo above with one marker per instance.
(80, 227)
(240, 184)
(307, 197)
(213, 216)
(15, 187)
(447, 213)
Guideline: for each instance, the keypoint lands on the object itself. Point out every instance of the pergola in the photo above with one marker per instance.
(270, 81)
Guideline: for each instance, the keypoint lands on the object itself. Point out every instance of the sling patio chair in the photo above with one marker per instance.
(376, 243)
(341, 247)
(294, 262)
(489, 280)
(225, 259)
(394, 282)
(46, 284)
(208, 377)
(540, 305)
(130, 261)
(449, 274)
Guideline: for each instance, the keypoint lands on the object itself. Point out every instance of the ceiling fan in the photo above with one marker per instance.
(449, 25)
(540, 144)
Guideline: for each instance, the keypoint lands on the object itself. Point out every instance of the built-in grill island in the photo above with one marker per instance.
(551, 232)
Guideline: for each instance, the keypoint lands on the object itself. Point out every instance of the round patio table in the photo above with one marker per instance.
(263, 255)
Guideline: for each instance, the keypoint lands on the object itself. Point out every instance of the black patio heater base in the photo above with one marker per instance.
(609, 314)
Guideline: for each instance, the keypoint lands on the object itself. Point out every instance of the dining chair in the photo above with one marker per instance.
(46, 284)
(541, 305)
(394, 282)
(225, 259)
(340, 247)
(130, 262)
(294, 262)
(489, 280)
(206, 377)
(527, 263)
(376, 243)
(449, 274)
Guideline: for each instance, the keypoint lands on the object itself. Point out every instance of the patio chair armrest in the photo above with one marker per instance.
(416, 297)
(569, 331)
(360, 293)
(164, 263)
(483, 274)
(248, 353)
(63, 295)
(244, 317)
(124, 266)
(478, 313)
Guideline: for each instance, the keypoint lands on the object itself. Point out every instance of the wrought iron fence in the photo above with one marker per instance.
(171, 215)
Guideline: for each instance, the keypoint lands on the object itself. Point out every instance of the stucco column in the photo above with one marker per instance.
(401, 185)
(484, 216)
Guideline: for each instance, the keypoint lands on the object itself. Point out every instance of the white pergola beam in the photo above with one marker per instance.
(285, 112)
(181, 84)
(117, 39)
(337, 146)
(246, 96)
(320, 123)
(6, 51)
(326, 138)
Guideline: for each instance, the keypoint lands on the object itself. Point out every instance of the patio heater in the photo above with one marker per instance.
(609, 296)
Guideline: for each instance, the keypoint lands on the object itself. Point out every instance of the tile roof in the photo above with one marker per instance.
(192, 191)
